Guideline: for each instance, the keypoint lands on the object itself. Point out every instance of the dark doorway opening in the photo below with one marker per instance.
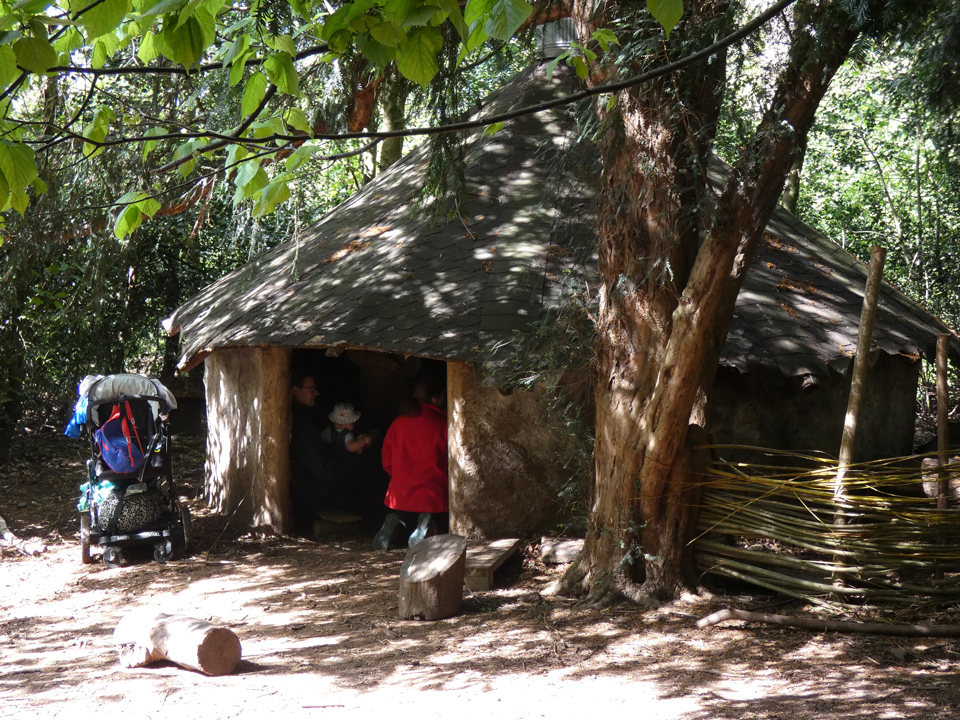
(374, 384)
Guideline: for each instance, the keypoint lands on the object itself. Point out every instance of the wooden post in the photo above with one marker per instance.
(943, 426)
(855, 402)
(858, 381)
(943, 431)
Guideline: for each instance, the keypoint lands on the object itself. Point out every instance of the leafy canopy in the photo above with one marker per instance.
(263, 49)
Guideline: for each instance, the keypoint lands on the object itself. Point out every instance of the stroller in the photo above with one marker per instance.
(129, 497)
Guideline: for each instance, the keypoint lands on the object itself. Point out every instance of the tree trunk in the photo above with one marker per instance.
(791, 190)
(663, 315)
(393, 103)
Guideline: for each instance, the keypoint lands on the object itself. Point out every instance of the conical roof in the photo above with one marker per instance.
(381, 272)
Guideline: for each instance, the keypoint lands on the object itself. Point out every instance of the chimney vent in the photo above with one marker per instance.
(554, 38)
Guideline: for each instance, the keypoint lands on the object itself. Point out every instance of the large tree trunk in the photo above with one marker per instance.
(663, 316)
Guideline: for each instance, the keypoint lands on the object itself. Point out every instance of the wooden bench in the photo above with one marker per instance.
(484, 558)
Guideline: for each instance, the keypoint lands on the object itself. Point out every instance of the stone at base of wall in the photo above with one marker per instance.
(557, 551)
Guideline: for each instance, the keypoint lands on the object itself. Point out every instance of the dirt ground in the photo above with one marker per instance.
(321, 638)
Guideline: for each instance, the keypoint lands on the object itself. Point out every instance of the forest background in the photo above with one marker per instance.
(134, 198)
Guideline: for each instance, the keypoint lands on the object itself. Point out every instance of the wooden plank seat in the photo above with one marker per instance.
(484, 558)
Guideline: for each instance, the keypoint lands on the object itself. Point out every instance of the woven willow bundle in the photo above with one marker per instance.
(779, 526)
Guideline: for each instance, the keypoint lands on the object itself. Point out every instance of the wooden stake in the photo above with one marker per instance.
(861, 360)
(943, 425)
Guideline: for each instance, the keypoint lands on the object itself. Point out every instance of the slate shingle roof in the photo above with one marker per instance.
(377, 274)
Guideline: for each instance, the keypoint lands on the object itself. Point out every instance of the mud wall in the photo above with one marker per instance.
(777, 412)
(248, 435)
(504, 468)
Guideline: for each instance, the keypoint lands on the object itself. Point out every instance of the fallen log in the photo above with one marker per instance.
(148, 637)
(431, 578)
(817, 625)
(27, 547)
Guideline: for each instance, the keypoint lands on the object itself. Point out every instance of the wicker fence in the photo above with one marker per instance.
(780, 528)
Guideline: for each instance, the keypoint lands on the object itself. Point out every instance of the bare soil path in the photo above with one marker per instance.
(321, 637)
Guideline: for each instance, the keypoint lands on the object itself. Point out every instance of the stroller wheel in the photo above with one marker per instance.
(85, 538)
(163, 552)
(112, 557)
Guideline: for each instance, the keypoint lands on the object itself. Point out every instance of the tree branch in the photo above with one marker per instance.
(817, 625)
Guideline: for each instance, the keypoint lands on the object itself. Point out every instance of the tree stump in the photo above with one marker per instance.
(148, 637)
(431, 578)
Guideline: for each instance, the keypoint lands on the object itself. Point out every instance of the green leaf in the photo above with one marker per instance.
(148, 49)
(187, 167)
(237, 47)
(492, 129)
(506, 16)
(4, 190)
(186, 43)
(282, 73)
(19, 168)
(8, 65)
(253, 92)
(104, 17)
(477, 11)
(376, 52)
(283, 43)
(103, 116)
(93, 133)
(99, 57)
(579, 65)
(8, 37)
(386, 33)
(552, 65)
(417, 58)
(272, 195)
(478, 36)
(239, 65)
(32, 7)
(255, 181)
(149, 145)
(39, 186)
(297, 119)
(128, 220)
(35, 54)
(167, 7)
(19, 200)
(666, 12)
(334, 23)
(452, 7)
(149, 206)
(605, 38)
(301, 155)
(235, 153)
(419, 16)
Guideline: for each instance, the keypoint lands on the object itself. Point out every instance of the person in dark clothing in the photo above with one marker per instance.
(316, 482)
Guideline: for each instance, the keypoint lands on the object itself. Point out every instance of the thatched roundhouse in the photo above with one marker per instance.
(380, 286)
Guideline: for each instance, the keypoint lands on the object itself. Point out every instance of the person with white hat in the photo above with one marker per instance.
(344, 417)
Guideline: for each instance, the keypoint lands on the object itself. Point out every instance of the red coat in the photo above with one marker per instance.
(415, 458)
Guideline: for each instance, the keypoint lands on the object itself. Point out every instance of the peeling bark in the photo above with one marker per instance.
(661, 331)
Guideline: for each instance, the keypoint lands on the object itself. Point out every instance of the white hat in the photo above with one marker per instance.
(343, 414)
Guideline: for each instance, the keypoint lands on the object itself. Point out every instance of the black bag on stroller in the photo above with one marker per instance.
(129, 497)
